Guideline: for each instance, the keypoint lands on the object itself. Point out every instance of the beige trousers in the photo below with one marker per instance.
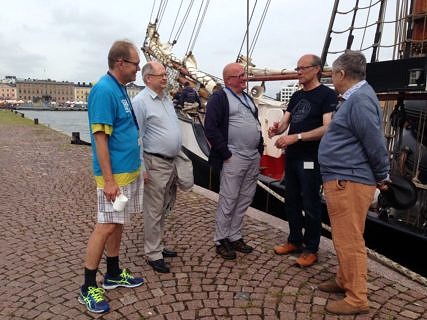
(348, 203)
(160, 172)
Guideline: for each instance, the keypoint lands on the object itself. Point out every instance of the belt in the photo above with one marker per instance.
(160, 156)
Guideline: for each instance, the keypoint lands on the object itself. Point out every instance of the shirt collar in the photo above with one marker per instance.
(353, 89)
(153, 94)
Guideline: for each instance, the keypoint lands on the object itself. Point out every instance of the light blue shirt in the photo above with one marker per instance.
(158, 123)
(353, 89)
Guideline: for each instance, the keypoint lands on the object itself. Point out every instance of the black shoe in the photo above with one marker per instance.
(169, 253)
(159, 266)
(225, 250)
(241, 246)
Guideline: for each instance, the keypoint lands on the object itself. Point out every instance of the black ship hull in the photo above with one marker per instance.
(396, 241)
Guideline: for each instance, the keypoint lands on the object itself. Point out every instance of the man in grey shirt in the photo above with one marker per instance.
(161, 140)
(234, 133)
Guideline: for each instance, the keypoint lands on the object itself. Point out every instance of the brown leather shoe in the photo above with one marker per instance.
(342, 307)
(287, 248)
(306, 259)
(330, 286)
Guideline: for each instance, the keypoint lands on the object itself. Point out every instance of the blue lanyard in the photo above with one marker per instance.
(123, 90)
(245, 104)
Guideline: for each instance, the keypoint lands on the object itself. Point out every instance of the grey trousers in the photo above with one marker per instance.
(160, 172)
(237, 189)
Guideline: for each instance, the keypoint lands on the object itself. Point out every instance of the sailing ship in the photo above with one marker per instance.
(396, 70)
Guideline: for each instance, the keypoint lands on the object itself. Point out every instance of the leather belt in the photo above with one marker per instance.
(160, 156)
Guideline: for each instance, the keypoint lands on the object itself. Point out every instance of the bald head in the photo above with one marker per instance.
(155, 77)
(150, 68)
(231, 69)
(234, 77)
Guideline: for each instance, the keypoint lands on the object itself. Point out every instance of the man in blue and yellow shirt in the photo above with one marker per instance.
(116, 166)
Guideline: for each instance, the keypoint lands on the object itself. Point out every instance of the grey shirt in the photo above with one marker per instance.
(158, 123)
(243, 128)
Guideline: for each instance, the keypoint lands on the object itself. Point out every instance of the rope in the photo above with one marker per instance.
(371, 253)
(246, 32)
(366, 24)
(184, 20)
(152, 10)
(420, 136)
(358, 8)
(162, 8)
(258, 30)
(200, 25)
(272, 192)
(194, 28)
(174, 23)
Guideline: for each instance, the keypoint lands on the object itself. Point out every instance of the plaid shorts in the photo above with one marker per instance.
(134, 192)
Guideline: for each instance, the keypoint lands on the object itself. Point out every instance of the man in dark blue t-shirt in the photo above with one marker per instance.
(307, 117)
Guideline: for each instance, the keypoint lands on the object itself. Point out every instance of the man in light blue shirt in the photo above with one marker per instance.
(161, 139)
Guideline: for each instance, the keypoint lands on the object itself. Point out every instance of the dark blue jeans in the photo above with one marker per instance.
(303, 193)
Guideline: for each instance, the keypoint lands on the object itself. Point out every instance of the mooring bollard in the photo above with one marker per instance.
(75, 139)
(36, 121)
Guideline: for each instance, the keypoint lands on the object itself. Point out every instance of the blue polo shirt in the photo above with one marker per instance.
(109, 110)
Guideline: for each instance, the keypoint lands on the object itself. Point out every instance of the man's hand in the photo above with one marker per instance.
(285, 141)
(272, 131)
(145, 177)
(111, 190)
(384, 184)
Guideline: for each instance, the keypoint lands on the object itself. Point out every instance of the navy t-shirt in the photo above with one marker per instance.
(307, 109)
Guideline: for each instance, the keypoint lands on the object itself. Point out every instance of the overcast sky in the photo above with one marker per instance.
(69, 39)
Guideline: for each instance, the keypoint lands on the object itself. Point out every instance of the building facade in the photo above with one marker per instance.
(44, 90)
(7, 91)
(81, 91)
(133, 89)
(286, 92)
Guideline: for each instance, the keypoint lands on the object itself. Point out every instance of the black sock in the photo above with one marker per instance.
(113, 269)
(90, 279)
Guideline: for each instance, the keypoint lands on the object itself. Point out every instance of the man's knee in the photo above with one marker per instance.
(107, 229)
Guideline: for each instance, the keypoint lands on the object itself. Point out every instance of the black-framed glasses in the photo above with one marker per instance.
(136, 64)
(161, 75)
(303, 68)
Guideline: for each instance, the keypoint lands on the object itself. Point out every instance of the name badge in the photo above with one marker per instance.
(308, 165)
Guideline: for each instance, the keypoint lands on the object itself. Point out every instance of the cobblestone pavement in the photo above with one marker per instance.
(47, 205)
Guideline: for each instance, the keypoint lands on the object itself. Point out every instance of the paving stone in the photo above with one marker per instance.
(45, 230)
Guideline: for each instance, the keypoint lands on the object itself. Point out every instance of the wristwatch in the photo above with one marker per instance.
(299, 137)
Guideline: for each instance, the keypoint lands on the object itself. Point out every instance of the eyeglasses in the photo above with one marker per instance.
(303, 68)
(136, 64)
(161, 75)
(240, 76)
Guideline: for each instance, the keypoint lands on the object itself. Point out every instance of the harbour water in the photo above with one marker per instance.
(63, 121)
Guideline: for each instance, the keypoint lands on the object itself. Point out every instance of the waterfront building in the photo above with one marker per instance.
(133, 89)
(286, 92)
(44, 90)
(7, 91)
(9, 80)
(81, 91)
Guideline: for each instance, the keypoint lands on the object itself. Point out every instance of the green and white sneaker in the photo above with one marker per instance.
(125, 279)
